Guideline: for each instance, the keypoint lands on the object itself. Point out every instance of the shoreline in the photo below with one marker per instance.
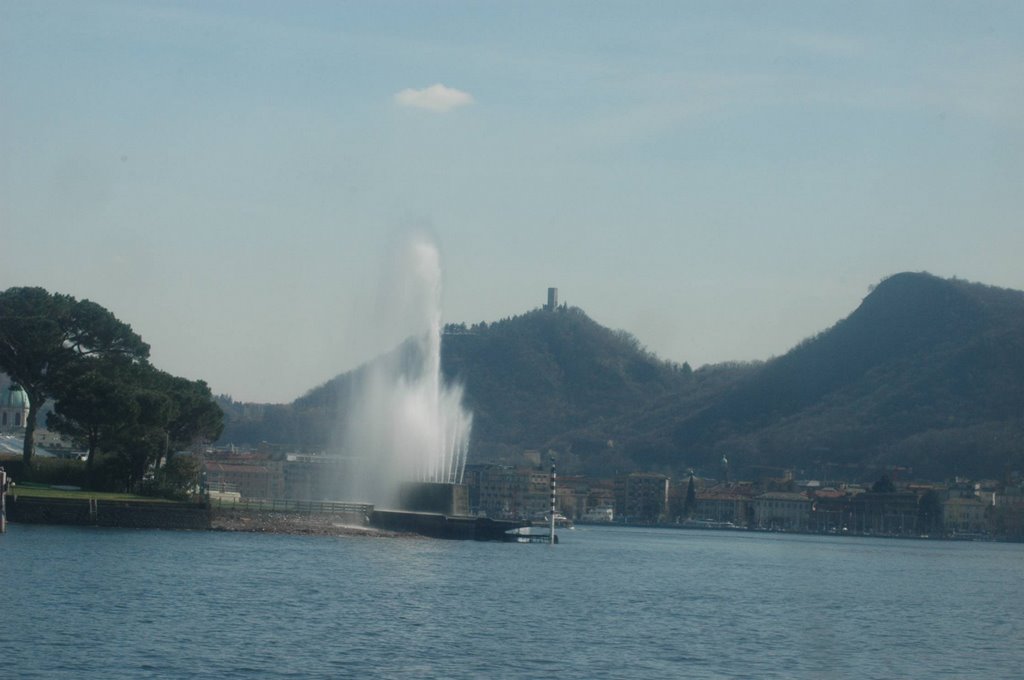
(296, 524)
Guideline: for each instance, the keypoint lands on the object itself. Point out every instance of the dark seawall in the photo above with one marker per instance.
(101, 513)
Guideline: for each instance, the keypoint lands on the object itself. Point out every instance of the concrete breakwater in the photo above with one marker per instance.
(106, 513)
(436, 525)
(322, 519)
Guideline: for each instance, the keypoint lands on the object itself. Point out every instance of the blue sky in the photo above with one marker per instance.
(722, 179)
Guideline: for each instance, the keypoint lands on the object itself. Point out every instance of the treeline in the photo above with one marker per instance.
(128, 415)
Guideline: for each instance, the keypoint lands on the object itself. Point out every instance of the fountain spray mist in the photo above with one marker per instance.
(404, 422)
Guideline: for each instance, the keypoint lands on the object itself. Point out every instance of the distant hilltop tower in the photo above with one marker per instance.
(552, 304)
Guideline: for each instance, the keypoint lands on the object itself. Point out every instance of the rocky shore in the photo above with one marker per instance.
(297, 523)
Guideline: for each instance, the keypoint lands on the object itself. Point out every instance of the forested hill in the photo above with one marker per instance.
(557, 379)
(927, 373)
(544, 379)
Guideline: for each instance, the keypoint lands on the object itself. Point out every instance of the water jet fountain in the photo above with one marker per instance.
(405, 423)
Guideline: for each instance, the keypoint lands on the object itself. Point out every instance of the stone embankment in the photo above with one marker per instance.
(263, 521)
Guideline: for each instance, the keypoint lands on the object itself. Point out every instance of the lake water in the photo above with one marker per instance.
(606, 603)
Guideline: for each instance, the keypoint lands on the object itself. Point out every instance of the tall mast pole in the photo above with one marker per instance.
(3, 501)
(553, 499)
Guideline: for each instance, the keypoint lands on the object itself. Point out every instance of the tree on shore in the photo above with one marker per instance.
(690, 505)
(883, 485)
(95, 400)
(45, 336)
(194, 415)
(136, 413)
(929, 512)
(107, 397)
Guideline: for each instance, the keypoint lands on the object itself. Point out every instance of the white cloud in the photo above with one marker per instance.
(434, 98)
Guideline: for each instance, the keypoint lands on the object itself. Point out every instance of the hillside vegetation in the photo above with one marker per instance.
(927, 374)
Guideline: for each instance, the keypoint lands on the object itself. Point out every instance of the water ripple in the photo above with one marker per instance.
(607, 603)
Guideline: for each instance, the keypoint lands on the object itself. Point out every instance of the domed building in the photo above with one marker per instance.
(13, 409)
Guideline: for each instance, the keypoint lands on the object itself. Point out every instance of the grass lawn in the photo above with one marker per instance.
(33, 491)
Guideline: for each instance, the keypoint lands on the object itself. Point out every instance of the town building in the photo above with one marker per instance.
(508, 492)
(1007, 517)
(574, 493)
(831, 512)
(782, 510)
(641, 497)
(724, 503)
(53, 441)
(965, 515)
(601, 497)
(885, 513)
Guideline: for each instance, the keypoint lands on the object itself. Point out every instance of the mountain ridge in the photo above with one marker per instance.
(919, 355)
(925, 373)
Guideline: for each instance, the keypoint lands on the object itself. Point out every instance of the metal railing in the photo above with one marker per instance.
(282, 505)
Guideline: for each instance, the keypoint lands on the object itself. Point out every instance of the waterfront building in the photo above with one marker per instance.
(641, 497)
(723, 504)
(494, 490)
(889, 514)
(568, 503)
(506, 492)
(782, 510)
(1008, 512)
(578, 494)
(965, 515)
(830, 511)
(535, 492)
(601, 495)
